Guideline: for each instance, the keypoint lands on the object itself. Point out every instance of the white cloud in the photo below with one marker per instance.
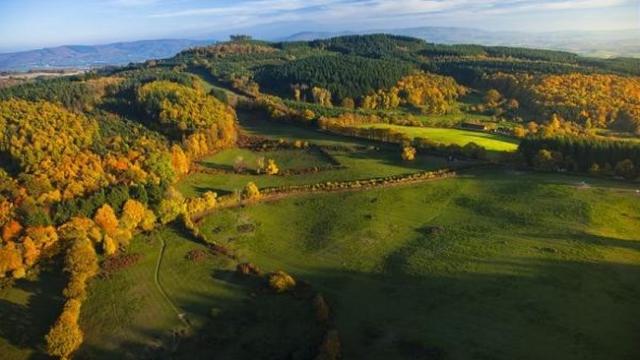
(355, 14)
(132, 3)
(379, 8)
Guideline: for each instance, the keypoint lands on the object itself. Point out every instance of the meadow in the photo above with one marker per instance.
(458, 253)
(362, 164)
(491, 142)
(359, 159)
(490, 265)
(285, 159)
(511, 265)
(494, 260)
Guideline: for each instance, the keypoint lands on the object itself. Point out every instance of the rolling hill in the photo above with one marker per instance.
(87, 56)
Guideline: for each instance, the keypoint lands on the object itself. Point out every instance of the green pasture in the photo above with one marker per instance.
(490, 265)
(361, 164)
(475, 267)
(491, 142)
(285, 159)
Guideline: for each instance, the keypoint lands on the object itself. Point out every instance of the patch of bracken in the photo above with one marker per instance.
(115, 263)
(196, 255)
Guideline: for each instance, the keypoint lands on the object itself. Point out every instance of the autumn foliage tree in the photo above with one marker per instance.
(598, 100)
(408, 153)
(106, 219)
(204, 122)
(434, 94)
(133, 212)
(251, 192)
(65, 337)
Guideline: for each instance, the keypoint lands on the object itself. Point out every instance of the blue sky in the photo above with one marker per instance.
(37, 23)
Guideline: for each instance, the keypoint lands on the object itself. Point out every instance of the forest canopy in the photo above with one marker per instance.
(344, 76)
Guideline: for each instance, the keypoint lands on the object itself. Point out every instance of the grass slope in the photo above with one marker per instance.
(490, 266)
(125, 314)
(127, 317)
(27, 311)
(359, 165)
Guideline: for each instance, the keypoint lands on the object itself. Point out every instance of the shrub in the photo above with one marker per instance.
(271, 168)
(408, 153)
(115, 263)
(251, 192)
(281, 281)
(474, 151)
(626, 169)
(196, 255)
(109, 245)
(248, 269)
(172, 206)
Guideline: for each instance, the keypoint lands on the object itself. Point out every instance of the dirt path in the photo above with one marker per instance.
(163, 292)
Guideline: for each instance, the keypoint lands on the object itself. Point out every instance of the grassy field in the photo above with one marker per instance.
(256, 124)
(285, 159)
(127, 317)
(126, 314)
(358, 165)
(456, 136)
(27, 311)
(488, 266)
(361, 162)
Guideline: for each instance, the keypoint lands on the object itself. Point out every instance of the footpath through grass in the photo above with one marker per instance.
(126, 315)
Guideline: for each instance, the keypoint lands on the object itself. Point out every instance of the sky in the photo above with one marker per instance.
(26, 24)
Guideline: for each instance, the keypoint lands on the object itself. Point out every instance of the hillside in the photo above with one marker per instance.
(601, 44)
(594, 43)
(358, 197)
(85, 56)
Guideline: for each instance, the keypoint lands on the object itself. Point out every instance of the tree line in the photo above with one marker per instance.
(598, 156)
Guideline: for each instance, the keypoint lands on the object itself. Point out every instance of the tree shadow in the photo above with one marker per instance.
(473, 315)
(203, 189)
(25, 326)
(261, 324)
(592, 239)
(521, 308)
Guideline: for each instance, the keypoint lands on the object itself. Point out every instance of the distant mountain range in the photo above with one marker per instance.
(587, 43)
(85, 56)
(592, 43)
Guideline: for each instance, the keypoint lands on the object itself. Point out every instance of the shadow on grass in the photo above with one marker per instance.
(258, 122)
(203, 189)
(25, 326)
(260, 325)
(523, 308)
(592, 239)
(392, 158)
